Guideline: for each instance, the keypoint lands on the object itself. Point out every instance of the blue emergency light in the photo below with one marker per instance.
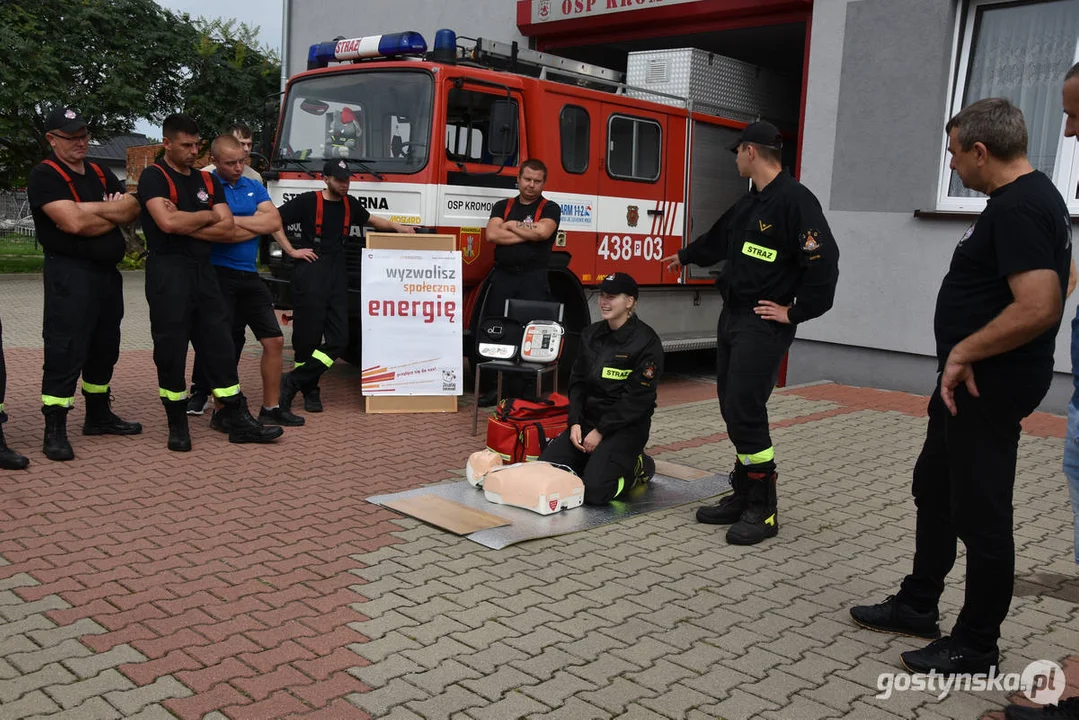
(406, 43)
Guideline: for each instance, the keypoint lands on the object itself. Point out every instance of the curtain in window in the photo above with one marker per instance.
(1021, 52)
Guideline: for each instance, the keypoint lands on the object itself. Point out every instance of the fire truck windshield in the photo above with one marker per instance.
(379, 117)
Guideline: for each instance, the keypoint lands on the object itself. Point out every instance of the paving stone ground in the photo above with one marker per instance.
(256, 582)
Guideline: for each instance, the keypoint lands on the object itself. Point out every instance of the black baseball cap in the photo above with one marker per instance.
(619, 283)
(761, 132)
(336, 168)
(66, 119)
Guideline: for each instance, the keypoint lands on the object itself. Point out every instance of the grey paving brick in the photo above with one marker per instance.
(86, 667)
(534, 642)
(378, 674)
(18, 645)
(142, 698)
(380, 701)
(490, 659)
(156, 712)
(617, 695)
(838, 693)
(661, 675)
(22, 609)
(739, 705)
(25, 626)
(493, 686)
(574, 709)
(447, 672)
(30, 704)
(676, 701)
(453, 700)
(718, 681)
(34, 660)
(76, 693)
(487, 634)
(381, 648)
(429, 632)
(381, 625)
(47, 676)
(558, 689)
(430, 656)
(511, 707)
(16, 581)
(56, 635)
(94, 708)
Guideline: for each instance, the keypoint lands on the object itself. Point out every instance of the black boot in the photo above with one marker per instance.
(731, 507)
(312, 400)
(9, 459)
(235, 419)
(179, 435)
(56, 446)
(101, 420)
(760, 519)
(289, 388)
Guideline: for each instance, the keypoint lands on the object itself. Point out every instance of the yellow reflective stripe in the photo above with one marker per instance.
(51, 401)
(322, 358)
(297, 366)
(610, 373)
(770, 520)
(758, 458)
(621, 486)
(94, 389)
(173, 396)
(1, 407)
(759, 252)
(227, 392)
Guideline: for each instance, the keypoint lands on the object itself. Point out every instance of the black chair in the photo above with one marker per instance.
(523, 311)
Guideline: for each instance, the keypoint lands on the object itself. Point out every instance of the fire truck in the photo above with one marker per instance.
(638, 162)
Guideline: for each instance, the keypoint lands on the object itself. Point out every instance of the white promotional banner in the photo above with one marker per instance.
(412, 324)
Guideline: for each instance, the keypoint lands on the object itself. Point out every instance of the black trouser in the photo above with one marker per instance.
(319, 317)
(186, 306)
(3, 376)
(514, 284)
(248, 303)
(749, 351)
(962, 487)
(608, 469)
(84, 304)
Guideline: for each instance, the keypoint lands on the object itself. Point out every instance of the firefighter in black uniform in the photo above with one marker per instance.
(9, 459)
(612, 395)
(319, 224)
(782, 267)
(183, 211)
(523, 230)
(77, 207)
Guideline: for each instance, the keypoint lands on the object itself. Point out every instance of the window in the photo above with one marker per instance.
(574, 126)
(1018, 50)
(633, 148)
(468, 122)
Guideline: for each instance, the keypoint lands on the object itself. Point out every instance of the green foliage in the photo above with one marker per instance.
(118, 61)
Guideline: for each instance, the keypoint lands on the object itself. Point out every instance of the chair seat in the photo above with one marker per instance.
(513, 366)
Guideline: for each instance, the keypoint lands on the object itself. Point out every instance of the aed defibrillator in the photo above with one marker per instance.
(542, 341)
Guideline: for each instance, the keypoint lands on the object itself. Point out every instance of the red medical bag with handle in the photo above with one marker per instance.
(519, 429)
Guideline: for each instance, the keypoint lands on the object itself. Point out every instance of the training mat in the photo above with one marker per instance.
(661, 493)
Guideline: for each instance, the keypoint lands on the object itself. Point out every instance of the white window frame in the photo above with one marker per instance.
(1066, 169)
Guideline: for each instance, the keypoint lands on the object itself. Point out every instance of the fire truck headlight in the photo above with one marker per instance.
(275, 251)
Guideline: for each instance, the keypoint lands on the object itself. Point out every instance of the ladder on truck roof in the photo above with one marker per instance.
(513, 56)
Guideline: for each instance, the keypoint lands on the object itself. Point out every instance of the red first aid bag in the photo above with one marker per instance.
(519, 429)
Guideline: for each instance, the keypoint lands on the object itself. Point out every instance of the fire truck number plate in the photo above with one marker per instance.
(625, 247)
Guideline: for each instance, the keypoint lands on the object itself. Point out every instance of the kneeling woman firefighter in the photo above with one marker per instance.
(612, 395)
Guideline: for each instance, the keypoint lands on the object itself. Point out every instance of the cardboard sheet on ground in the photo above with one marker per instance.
(663, 492)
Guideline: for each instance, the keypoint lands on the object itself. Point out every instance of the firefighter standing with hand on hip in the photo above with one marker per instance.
(782, 268)
(77, 207)
(522, 230)
(183, 213)
(320, 223)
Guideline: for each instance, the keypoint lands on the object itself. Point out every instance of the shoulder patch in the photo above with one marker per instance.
(809, 241)
(649, 371)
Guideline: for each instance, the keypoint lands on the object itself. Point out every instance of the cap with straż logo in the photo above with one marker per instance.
(761, 132)
(65, 119)
(619, 283)
(336, 168)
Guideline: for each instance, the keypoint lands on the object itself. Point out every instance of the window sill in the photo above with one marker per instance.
(960, 215)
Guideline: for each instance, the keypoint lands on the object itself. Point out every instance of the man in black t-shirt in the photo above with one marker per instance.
(183, 212)
(316, 227)
(77, 207)
(997, 315)
(522, 229)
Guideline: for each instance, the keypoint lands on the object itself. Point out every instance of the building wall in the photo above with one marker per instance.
(314, 21)
(876, 106)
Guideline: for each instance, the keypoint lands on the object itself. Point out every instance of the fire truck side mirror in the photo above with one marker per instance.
(502, 131)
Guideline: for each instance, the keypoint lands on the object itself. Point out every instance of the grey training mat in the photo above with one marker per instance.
(662, 492)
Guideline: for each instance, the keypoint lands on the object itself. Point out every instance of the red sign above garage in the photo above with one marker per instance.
(555, 10)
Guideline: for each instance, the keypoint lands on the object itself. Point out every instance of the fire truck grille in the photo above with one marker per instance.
(353, 257)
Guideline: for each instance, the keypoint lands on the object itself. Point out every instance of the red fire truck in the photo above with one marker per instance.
(639, 168)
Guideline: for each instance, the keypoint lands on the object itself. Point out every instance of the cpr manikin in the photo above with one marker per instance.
(537, 486)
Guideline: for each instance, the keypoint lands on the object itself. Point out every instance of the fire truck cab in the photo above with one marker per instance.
(435, 139)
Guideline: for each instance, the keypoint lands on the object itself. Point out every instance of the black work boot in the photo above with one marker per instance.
(289, 388)
(950, 657)
(644, 470)
(179, 435)
(760, 519)
(895, 616)
(9, 459)
(56, 445)
(101, 420)
(730, 508)
(279, 416)
(312, 400)
(235, 419)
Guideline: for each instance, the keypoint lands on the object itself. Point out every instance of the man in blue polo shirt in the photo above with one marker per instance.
(248, 299)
